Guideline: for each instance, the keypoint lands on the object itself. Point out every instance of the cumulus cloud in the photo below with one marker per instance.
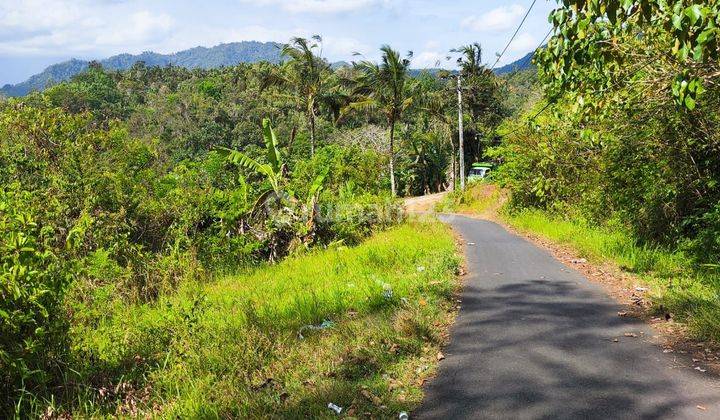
(429, 59)
(498, 19)
(46, 27)
(523, 43)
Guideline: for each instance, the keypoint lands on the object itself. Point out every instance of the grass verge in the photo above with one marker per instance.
(677, 285)
(358, 327)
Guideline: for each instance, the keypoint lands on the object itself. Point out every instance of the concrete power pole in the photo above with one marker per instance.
(460, 134)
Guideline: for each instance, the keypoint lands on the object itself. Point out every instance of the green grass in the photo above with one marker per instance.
(231, 348)
(690, 292)
(479, 198)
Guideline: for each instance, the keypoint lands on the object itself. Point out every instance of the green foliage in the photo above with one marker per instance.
(384, 87)
(32, 284)
(593, 40)
(626, 135)
(232, 348)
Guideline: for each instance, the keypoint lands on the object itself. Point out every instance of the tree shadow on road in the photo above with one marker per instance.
(545, 348)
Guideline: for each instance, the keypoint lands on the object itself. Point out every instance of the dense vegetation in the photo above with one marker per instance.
(626, 139)
(124, 196)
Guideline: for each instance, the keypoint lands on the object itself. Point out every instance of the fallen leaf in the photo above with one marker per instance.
(615, 340)
(440, 356)
(630, 334)
(622, 313)
(370, 396)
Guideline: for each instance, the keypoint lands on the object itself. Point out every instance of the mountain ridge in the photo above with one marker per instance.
(520, 64)
(227, 54)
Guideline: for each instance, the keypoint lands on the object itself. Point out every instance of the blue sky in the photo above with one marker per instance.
(36, 33)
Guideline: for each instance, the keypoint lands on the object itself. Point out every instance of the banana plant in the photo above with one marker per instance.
(274, 171)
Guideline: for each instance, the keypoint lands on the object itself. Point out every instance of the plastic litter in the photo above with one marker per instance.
(421, 268)
(403, 416)
(336, 408)
(324, 325)
(387, 291)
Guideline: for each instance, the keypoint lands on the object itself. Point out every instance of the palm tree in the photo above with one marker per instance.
(306, 73)
(470, 60)
(384, 86)
(480, 96)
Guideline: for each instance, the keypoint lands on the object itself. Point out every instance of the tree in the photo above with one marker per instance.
(385, 87)
(481, 98)
(598, 46)
(306, 73)
(470, 60)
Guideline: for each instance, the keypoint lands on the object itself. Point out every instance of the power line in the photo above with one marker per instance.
(514, 35)
(547, 35)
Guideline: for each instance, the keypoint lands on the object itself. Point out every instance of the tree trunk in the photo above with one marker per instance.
(461, 140)
(453, 176)
(311, 112)
(392, 159)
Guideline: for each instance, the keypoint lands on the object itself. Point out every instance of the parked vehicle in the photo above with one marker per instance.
(479, 171)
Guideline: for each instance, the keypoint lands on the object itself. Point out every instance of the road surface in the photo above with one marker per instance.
(535, 339)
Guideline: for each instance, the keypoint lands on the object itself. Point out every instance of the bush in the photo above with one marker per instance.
(32, 282)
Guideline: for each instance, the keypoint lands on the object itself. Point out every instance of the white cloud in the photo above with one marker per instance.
(320, 6)
(523, 43)
(142, 27)
(49, 27)
(432, 45)
(344, 47)
(429, 59)
(498, 19)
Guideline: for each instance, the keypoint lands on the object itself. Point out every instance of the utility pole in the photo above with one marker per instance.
(460, 134)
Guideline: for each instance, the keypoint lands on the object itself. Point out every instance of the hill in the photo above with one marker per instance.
(522, 64)
(198, 57)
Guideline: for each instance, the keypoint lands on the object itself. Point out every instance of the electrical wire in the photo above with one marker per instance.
(512, 38)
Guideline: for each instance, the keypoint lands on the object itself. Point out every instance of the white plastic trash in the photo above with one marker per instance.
(336, 408)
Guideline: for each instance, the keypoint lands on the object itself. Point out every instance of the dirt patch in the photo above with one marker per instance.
(423, 204)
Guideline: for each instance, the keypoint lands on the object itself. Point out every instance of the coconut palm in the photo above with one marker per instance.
(306, 73)
(470, 60)
(385, 87)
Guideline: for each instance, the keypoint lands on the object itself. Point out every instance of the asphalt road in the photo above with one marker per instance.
(534, 339)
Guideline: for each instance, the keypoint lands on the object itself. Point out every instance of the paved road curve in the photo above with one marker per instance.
(534, 339)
